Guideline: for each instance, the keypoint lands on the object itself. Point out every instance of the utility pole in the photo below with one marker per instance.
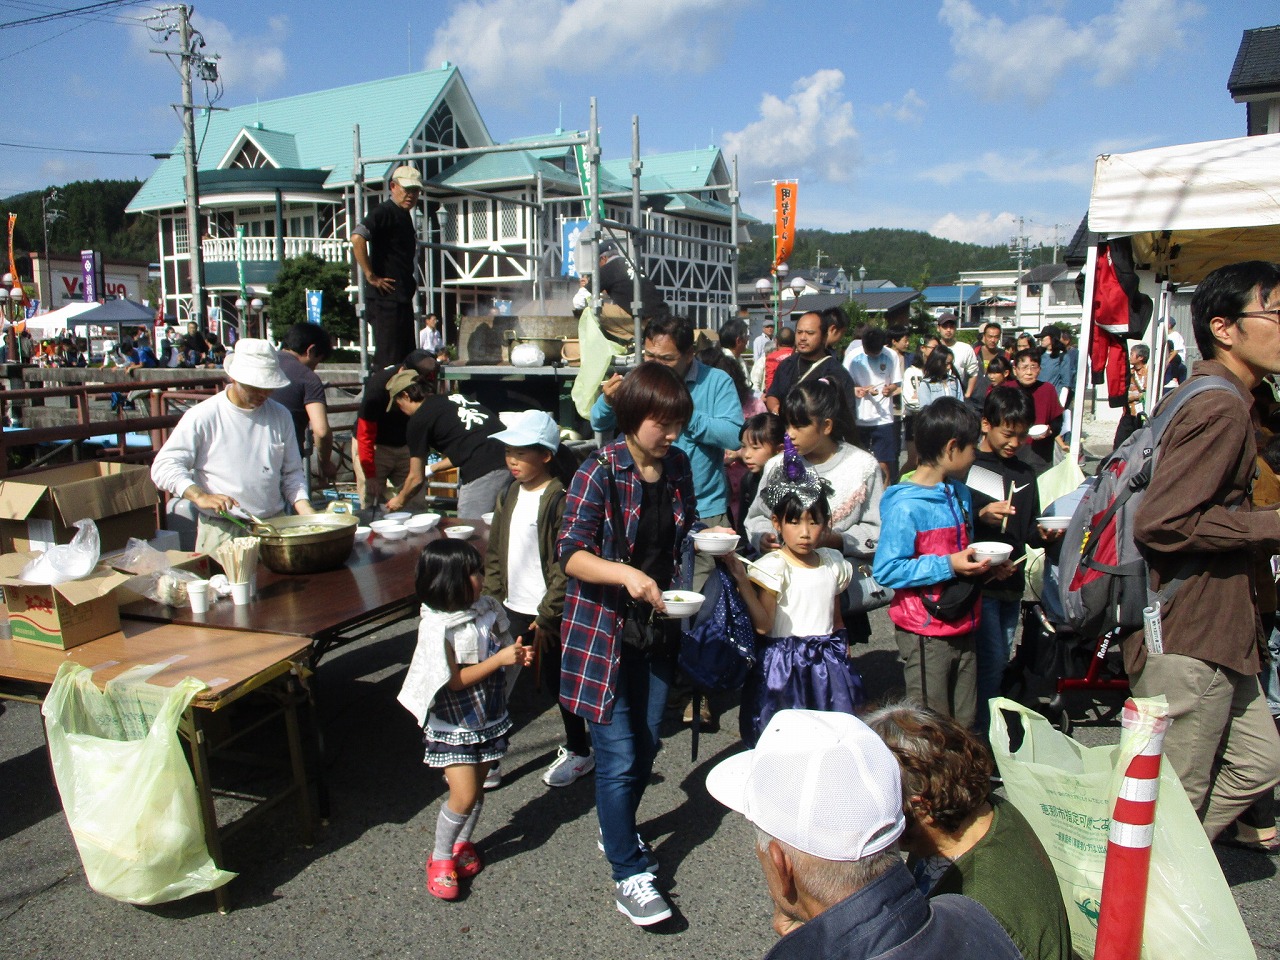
(818, 259)
(1019, 246)
(1056, 228)
(190, 43)
(48, 214)
(1018, 249)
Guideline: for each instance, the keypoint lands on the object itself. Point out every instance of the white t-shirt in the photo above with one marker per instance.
(526, 585)
(851, 353)
(966, 361)
(868, 371)
(806, 595)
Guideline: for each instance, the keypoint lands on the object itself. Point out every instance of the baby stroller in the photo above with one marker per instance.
(1067, 677)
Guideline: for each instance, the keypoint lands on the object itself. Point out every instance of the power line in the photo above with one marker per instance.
(75, 12)
(162, 155)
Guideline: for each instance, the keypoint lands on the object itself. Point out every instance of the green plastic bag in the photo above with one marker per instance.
(1067, 792)
(126, 787)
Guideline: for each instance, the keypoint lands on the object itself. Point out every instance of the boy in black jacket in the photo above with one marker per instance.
(1006, 503)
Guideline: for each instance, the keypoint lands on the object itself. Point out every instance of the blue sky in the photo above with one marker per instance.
(951, 116)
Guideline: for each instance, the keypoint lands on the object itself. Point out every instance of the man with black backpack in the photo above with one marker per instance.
(1198, 533)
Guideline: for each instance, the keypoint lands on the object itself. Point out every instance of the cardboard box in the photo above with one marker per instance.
(40, 510)
(64, 616)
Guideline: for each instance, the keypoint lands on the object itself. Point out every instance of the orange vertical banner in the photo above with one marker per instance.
(13, 263)
(784, 212)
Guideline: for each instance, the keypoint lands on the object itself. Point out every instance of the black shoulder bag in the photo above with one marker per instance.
(642, 626)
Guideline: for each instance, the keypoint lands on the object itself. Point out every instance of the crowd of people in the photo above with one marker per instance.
(809, 471)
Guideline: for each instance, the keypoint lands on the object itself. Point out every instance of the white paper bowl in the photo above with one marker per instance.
(459, 533)
(379, 525)
(1038, 431)
(421, 522)
(396, 531)
(992, 550)
(1054, 523)
(400, 516)
(715, 544)
(363, 533)
(487, 518)
(686, 606)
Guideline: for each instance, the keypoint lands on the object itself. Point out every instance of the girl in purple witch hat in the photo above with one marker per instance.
(804, 663)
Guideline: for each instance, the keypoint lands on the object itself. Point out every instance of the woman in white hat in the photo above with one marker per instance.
(237, 448)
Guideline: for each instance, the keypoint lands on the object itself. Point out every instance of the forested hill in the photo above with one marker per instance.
(90, 217)
(910, 258)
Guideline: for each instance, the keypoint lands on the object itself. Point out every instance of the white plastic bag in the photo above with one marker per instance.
(66, 561)
(1067, 792)
(126, 788)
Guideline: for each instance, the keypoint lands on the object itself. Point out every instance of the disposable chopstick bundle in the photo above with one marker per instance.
(239, 558)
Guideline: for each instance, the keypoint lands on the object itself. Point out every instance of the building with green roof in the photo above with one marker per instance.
(278, 179)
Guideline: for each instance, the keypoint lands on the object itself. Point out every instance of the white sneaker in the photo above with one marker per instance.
(493, 779)
(567, 768)
(639, 900)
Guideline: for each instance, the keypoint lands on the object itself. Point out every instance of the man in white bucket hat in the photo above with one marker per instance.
(825, 796)
(237, 448)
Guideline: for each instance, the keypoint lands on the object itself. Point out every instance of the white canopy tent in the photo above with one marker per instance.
(1192, 208)
(1188, 209)
(56, 321)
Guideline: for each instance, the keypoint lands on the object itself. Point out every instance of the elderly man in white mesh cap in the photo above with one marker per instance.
(825, 796)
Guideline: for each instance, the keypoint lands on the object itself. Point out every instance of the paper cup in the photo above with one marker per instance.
(198, 594)
(240, 593)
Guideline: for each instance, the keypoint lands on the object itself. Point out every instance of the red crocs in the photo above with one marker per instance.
(467, 859)
(442, 879)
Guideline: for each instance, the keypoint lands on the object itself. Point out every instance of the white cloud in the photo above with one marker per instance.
(65, 171)
(1027, 57)
(910, 109)
(994, 229)
(513, 45)
(1030, 166)
(809, 134)
(249, 64)
(983, 228)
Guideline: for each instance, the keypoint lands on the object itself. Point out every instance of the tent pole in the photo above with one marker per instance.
(1083, 368)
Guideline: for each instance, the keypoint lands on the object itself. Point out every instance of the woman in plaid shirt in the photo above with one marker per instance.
(639, 486)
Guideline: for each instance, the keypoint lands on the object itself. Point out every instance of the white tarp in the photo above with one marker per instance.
(1193, 207)
(56, 321)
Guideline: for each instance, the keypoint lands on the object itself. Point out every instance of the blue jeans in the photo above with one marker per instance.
(625, 749)
(1268, 678)
(993, 645)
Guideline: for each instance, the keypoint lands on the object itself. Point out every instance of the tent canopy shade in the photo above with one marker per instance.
(1194, 207)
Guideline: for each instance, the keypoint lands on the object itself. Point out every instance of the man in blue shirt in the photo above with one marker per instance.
(714, 427)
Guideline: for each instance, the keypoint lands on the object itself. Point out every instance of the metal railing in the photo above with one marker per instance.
(166, 400)
(231, 249)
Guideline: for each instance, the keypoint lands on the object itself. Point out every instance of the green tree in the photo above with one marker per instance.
(289, 296)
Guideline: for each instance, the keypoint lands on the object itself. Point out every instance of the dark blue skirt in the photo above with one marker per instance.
(799, 673)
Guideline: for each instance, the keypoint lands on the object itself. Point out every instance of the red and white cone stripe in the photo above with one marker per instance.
(1124, 879)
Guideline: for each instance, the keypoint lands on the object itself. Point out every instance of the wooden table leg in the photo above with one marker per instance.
(199, 747)
(297, 760)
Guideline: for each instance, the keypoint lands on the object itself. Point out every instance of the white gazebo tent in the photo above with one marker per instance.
(1188, 210)
(55, 321)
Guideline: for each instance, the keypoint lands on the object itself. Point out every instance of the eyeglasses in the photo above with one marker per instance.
(667, 358)
(1272, 315)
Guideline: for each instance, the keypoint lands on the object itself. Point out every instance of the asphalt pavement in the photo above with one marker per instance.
(359, 892)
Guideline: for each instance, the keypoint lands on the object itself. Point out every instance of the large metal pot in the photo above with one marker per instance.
(315, 552)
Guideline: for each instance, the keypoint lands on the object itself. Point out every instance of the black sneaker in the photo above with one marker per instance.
(639, 900)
